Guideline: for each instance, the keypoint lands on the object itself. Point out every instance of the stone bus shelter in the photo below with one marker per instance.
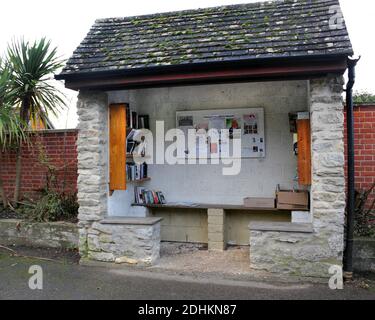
(284, 72)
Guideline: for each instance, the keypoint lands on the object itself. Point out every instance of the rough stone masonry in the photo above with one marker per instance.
(312, 254)
(135, 241)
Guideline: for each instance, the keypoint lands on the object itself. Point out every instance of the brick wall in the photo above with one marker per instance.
(364, 128)
(59, 146)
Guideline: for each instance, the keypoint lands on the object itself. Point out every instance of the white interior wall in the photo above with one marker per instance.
(205, 183)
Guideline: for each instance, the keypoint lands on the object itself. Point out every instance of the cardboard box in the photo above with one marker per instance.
(292, 200)
(265, 203)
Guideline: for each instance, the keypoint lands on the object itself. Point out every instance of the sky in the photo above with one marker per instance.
(66, 23)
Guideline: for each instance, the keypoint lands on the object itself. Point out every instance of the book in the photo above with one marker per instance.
(130, 146)
(155, 197)
(145, 196)
(144, 122)
(128, 117)
(161, 197)
(134, 120)
(137, 197)
(136, 171)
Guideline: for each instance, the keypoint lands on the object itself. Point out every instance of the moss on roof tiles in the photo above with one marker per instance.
(229, 33)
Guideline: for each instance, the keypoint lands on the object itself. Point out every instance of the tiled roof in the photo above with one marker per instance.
(273, 29)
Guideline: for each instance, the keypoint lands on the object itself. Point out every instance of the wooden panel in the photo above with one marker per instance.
(117, 147)
(304, 152)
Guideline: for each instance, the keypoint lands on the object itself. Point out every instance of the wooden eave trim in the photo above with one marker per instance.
(264, 72)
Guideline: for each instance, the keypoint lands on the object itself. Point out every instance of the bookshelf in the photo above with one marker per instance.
(130, 156)
(139, 180)
(125, 134)
(136, 173)
(136, 165)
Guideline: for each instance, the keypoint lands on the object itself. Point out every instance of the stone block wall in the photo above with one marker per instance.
(311, 254)
(125, 242)
(44, 235)
(292, 253)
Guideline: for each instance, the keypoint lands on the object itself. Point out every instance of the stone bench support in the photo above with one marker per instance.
(125, 240)
(216, 229)
(289, 248)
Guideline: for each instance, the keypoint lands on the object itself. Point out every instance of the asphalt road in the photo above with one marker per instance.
(67, 280)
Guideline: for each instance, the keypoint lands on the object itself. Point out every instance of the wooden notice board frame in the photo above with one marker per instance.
(117, 147)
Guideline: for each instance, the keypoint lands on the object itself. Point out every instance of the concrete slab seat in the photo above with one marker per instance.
(177, 205)
(216, 218)
(125, 240)
(282, 227)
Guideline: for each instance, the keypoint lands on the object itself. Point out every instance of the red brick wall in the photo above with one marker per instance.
(364, 128)
(59, 147)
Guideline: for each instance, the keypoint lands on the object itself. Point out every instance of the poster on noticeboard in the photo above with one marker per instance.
(246, 124)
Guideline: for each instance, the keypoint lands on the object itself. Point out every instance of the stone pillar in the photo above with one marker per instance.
(216, 229)
(92, 147)
(122, 240)
(328, 161)
(313, 253)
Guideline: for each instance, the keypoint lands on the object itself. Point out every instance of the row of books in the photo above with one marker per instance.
(145, 196)
(136, 171)
(136, 121)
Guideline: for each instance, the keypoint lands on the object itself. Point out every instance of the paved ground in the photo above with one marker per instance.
(65, 279)
(197, 259)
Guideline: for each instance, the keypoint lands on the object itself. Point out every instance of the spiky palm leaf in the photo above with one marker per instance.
(32, 66)
(10, 124)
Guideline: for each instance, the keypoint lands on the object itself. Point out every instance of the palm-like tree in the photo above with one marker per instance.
(32, 66)
(11, 129)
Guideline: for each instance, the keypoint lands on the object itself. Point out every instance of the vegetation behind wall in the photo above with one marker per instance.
(59, 149)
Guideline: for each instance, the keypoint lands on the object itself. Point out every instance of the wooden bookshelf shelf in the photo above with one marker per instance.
(139, 180)
(130, 156)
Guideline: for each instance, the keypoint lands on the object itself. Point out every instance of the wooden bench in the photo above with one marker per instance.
(177, 205)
